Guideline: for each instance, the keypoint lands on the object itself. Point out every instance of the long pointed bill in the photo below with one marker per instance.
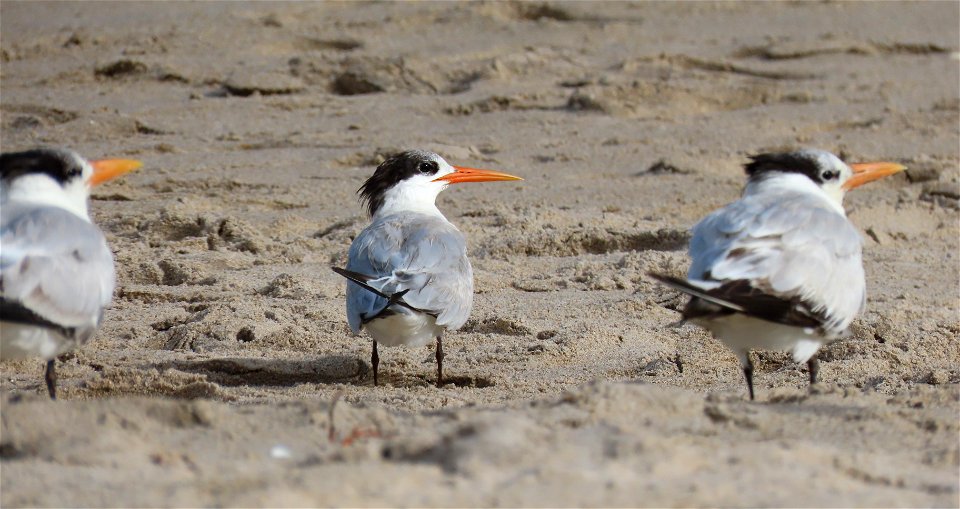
(868, 172)
(474, 175)
(108, 169)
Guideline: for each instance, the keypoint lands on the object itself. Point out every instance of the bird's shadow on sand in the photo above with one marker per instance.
(332, 369)
(232, 372)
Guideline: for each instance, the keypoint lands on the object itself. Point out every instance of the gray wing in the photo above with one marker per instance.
(793, 247)
(422, 254)
(55, 264)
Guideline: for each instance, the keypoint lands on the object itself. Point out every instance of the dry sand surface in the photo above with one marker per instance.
(212, 379)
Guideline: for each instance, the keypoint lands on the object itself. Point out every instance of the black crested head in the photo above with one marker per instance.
(60, 164)
(395, 169)
(804, 162)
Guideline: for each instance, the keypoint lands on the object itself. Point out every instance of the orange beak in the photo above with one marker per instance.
(474, 175)
(108, 169)
(868, 172)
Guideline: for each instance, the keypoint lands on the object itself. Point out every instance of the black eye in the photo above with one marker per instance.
(74, 172)
(829, 175)
(428, 167)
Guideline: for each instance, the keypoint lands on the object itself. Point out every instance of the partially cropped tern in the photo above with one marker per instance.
(780, 268)
(409, 276)
(56, 271)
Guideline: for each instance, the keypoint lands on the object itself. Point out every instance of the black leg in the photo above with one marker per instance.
(375, 360)
(814, 366)
(748, 373)
(439, 362)
(50, 376)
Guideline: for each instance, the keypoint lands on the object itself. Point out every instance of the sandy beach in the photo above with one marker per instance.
(225, 373)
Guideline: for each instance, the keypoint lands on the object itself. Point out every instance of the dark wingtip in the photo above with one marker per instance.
(343, 272)
(353, 276)
(665, 279)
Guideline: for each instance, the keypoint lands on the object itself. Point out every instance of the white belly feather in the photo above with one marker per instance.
(742, 333)
(404, 328)
(19, 341)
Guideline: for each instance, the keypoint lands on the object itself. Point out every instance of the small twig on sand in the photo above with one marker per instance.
(332, 429)
(355, 434)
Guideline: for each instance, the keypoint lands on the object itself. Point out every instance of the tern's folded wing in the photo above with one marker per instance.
(794, 248)
(425, 256)
(55, 264)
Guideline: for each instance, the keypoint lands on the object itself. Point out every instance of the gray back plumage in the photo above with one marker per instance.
(55, 264)
(789, 245)
(422, 253)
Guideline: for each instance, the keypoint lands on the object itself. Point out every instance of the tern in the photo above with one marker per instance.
(781, 267)
(56, 271)
(409, 276)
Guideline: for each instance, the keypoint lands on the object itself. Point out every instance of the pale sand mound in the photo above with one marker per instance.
(604, 443)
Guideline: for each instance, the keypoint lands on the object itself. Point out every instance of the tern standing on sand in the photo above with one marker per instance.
(56, 271)
(410, 279)
(780, 268)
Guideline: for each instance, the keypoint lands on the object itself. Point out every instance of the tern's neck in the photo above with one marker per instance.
(791, 183)
(43, 191)
(410, 197)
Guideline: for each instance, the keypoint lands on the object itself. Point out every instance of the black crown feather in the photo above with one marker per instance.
(394, 169)
(761, 165)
